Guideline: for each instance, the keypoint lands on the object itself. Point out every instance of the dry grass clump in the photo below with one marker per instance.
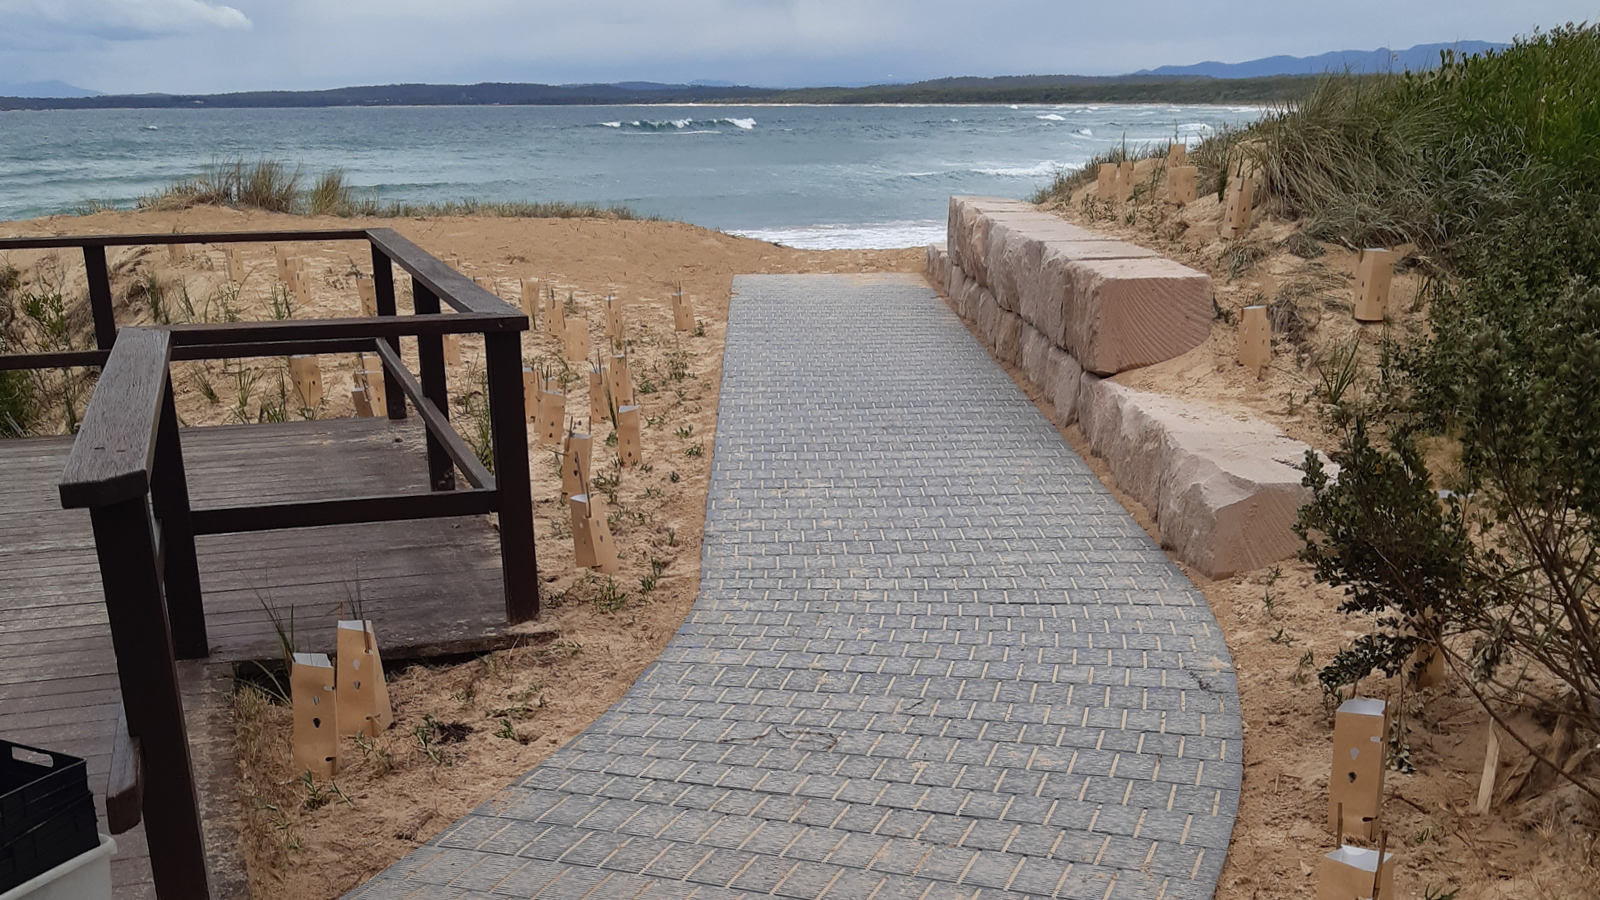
(272, 186)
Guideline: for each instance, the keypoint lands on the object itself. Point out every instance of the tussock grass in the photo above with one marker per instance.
(271, 185)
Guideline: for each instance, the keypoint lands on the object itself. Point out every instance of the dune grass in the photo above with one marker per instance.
(273, 186)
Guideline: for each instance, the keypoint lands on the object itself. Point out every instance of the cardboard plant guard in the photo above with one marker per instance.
(369, 295)
(528, 301)
(358, 399)
(316, 723)
(1177, 155)
(531, 390)
(575, 465)
(1105, 183)
(1182, 184)
(576, 339)
(363, 694)
(377, 391)
(682, 312)
(1126, 177)
(1349, 873)
(628, 449)
(235, 264)
(620, 382)
(613, 318)
(1240, 200)
(555, 313)
(306, 374)
(1255, 339)
(552, 411)
(1374, 274)
(599, 402)
(591, 537)
(1360, 751)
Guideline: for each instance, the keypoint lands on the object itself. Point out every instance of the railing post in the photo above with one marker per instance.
(508, 426)
(151, 696)
(169, 495)
(105, 321)
(383, 286)
(430, 356)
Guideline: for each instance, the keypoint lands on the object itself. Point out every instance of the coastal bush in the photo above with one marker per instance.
(271, 185)
(1487, 165)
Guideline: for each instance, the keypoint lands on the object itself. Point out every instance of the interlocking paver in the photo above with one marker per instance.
(931, 656)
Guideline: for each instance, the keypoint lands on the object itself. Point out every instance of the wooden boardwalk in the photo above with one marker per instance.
(431, 587)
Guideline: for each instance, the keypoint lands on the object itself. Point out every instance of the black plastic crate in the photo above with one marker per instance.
(46, 812)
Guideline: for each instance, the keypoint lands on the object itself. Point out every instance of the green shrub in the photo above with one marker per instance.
(1487, 164)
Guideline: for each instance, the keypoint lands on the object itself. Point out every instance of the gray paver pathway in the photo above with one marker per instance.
(931, 658)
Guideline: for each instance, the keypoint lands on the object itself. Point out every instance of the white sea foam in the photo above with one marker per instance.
(1041, 170)
(683, 126)
(1050, 117)
(863, 236)
(1086, 132)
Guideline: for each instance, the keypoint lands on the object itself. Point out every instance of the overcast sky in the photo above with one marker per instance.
(198, 46)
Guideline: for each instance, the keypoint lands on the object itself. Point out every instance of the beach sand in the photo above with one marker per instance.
(595, 637)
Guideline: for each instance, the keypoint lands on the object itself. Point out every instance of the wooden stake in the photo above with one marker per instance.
(316, 722)
(1255, 339)
(369, 295)
(1377, 870)
(682, 312)
(306, 373)
(628, 449)
(1374, 274)
(576, 343)
(363, 694)
(1360, 751)
(1491, 767)
(1181, 184)
(235, 262)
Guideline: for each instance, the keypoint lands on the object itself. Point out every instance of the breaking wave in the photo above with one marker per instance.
(685, 126)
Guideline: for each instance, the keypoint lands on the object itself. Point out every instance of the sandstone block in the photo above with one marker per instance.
(1035, 354)
(1223, 486)
(954, 280)
(1065, 385)
(1008, 338)
(988, 319)
(1134, 312)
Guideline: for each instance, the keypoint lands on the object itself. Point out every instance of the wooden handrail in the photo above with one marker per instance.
(174, 237)
(456, 289)
(115, 448)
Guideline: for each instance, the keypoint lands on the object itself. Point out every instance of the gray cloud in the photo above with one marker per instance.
(192, 46)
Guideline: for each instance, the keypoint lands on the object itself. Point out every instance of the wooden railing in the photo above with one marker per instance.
(126, 468)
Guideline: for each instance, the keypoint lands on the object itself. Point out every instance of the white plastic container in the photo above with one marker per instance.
(86, 876)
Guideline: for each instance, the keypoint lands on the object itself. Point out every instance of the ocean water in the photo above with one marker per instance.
(806, 176)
